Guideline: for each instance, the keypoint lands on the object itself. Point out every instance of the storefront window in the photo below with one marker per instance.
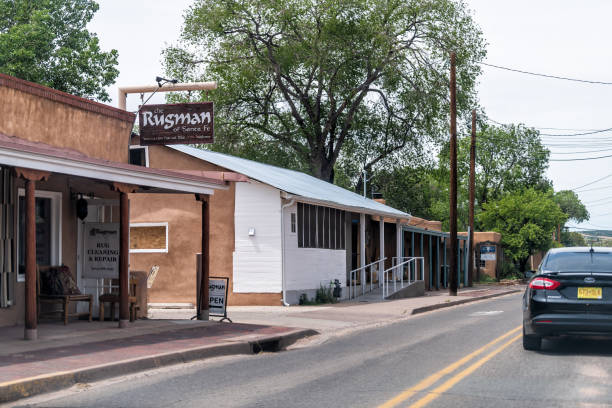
(46, 209)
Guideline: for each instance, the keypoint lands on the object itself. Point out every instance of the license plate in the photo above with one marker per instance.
(589, 293)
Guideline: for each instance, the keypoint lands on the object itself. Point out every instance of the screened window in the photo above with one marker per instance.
(320, 227)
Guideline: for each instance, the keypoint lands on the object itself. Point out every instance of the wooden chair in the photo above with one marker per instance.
(113, 298)
(64, 300)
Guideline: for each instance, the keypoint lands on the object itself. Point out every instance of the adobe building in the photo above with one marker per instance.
(64, 183)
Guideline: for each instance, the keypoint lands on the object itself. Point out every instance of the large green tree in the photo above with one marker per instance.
(45, 41)
(570, 204)
(509, 158)
(526, 221)
(304, 79)
(572, 238)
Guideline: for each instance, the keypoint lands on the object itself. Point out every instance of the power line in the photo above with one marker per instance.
(587, 81)
(598, 200)
(579, 228)
(582, 152)
(576, 134)
(588, 229)
(568, 129)
(598, 226)
(581, 159)
(596, 188)
(592, 182)
(583, 132)
(598, 204)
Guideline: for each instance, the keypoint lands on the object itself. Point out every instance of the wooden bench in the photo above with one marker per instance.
(65, 299)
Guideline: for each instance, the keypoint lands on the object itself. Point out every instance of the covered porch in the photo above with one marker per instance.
(40, 186)
(387, 252)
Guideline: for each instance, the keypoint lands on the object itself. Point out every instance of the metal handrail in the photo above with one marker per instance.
(394, 269)
(353, 277)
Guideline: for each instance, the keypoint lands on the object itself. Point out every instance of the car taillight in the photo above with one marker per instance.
(544, 283)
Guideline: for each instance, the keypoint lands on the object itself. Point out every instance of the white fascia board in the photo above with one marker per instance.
(18, 158)
(360, 210)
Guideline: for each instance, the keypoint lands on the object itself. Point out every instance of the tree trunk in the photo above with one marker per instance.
(523, 264)
(321, 168)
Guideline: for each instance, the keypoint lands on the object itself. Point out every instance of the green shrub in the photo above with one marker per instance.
(510, 271)
(486, 279)
(325, 295)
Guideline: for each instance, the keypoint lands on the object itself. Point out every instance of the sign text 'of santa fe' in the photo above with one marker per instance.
(181, 123)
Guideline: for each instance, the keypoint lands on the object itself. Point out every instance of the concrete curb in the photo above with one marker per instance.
(22, 388)
(429, 308)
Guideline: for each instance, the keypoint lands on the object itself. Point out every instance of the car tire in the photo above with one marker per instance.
(533, 343)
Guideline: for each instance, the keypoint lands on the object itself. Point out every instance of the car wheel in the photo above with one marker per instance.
(531, 342)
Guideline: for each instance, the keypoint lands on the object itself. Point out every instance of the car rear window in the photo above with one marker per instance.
(579, 262)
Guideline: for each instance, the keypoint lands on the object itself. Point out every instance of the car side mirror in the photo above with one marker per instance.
(529, 274)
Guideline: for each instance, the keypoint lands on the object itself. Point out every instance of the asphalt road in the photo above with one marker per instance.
(465, 356)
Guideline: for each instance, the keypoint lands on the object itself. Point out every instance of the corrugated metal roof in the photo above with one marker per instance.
(294, 182)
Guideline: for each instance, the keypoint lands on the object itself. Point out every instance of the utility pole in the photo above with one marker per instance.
(472, 194)
(452, 288)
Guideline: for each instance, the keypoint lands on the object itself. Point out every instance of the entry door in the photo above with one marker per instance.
(47, 209)
(100, 211)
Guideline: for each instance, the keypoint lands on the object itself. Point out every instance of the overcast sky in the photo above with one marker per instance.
(563, 38)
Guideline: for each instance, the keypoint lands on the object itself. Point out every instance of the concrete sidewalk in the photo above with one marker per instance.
(345, 317)
(84, 352)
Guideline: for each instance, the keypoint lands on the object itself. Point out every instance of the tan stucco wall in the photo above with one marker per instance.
(490, 266)
(40, 114)
(176, 280)
(38, 119)
(425, 224)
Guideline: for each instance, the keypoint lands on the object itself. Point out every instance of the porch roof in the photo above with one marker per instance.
(441, 234)
(18, 152)
(305, 187)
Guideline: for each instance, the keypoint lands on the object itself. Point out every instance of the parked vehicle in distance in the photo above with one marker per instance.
(570, 294)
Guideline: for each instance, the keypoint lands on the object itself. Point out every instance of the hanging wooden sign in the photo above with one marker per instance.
(180, 123)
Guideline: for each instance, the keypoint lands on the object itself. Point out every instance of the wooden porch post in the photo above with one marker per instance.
(31, 331)
(124, 252)
(203, 313)
(124, 249)
(399, 242)
(381, 231)
(362, 245)
(31, 177)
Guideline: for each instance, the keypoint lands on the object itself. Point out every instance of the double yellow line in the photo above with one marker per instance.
(432, 379)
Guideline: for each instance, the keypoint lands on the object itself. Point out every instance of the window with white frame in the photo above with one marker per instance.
(147, 237)
(293, 223)
(48, 212)
(139, 155)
